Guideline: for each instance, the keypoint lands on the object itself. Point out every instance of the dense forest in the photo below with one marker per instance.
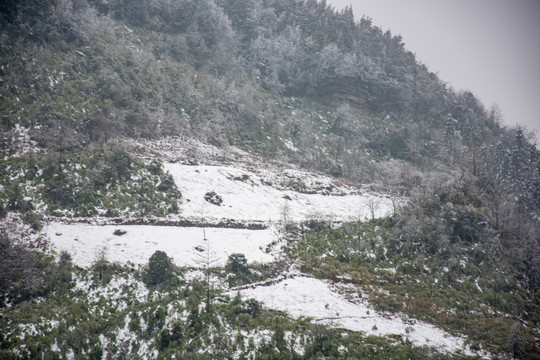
(290, 80)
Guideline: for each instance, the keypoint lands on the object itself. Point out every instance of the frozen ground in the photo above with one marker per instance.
(185, 245)
(305, 296)
(272, 194)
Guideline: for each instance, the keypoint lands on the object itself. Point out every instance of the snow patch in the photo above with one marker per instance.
(309, 297)
(183, 244)
(271, 194)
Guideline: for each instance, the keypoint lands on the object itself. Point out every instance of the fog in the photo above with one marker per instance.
(490, 47)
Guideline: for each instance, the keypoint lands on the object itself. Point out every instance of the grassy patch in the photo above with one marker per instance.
(459, 293)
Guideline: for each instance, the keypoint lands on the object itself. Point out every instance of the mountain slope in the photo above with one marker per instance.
(145, 113)
(112, 256)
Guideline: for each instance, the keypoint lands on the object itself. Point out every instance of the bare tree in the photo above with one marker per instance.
(373, 205)
(207, 260)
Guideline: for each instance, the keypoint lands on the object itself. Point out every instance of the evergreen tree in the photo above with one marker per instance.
(515, 340)
(159, 269)
(237, 264)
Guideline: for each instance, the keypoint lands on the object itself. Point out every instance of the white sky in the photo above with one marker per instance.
(490, 47)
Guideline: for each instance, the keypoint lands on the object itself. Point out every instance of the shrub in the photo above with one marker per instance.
(213, 198)
(156, 320)
(64, 271)
(167, 183)
(24, 273)
(237, 264)
(34, 220)
(101, 267)
(3, 211)
(238, 268)
(322, 342)
(252, 307)
(159, 270)
(155, 167)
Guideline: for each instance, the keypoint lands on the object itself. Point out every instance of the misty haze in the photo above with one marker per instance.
(253, 179)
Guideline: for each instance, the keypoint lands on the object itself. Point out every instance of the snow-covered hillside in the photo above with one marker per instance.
(183, 244)
(243, 194)
(256, 199)
(340, 306)
(273, 195)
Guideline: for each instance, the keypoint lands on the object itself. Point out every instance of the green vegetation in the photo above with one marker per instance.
(122, 318)
(342, 92)
(86, 182)
(288, 79)
(159, 270)
(449, 273)
(239, 271)
(26, 274)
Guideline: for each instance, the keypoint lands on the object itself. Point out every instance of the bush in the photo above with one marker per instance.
(322, 342)
(34, 220)
(3, 211)
(64, 276)
(159, 270)
(237, 264)
(24, 273)
(238, 268)
(102, 268)
(167, 183)
(213, 198)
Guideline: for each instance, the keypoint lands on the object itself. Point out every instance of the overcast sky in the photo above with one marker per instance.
(490, 47)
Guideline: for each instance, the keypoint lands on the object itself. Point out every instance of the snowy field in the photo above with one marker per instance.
(305, 296)
(185, 245)
(272, 194)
